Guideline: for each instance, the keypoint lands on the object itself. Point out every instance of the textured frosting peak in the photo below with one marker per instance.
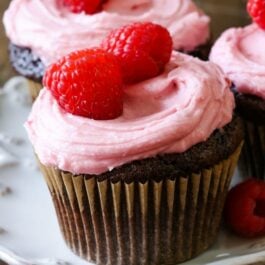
(240, 53)
(51, 31)
(166, 114)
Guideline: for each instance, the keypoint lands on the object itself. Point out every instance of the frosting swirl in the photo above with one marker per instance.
(240, 53)
(51, 31)
(166, 114)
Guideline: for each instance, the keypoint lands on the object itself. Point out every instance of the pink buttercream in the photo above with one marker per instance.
(166, 114)
(240, 53)
(52, 31)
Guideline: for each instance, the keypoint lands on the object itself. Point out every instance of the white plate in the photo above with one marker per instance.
(27, 214)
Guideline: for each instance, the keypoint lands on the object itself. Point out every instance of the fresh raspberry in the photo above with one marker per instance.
(87, 83)
(143, 50)
(256, 9)
(245, 208)
(87, 6)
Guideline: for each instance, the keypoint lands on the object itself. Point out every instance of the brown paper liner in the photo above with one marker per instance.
(34, 88)
(252, 158)
(149, 223)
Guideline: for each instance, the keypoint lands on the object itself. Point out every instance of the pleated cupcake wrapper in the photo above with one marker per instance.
(34, 88)
(252, 159)
(140, 223)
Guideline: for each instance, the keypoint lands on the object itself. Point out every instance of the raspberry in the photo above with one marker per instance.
(245, 208)
(87, 6)
(256, 9)
(143, 50)
(87, 83)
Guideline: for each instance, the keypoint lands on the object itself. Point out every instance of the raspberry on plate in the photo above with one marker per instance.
(87, 6)
(143, 50)
(245, 208)
(256, 9)
(87, 83)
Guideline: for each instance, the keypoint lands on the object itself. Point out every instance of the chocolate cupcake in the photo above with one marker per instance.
(42, 31)
(239, 52)
(147, 187)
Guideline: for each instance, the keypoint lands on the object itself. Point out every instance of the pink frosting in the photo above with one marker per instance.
(240, 53)
(52, 31)
(166, 114)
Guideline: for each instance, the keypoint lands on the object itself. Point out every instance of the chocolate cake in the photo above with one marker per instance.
(202, 52)
(26, 63)
(252, 109)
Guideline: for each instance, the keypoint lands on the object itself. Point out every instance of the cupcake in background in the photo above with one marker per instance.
(138, 171)
(240, 54)
(42, 31)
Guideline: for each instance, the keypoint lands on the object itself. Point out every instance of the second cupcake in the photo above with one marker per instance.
(42, 31)
(240, 54)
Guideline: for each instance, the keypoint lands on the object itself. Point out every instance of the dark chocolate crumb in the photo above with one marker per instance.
(202, 51)
(250, 107)
(26, 63)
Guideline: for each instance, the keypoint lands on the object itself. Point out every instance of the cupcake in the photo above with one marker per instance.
(239, 52)
(42, 31)
(138, 172)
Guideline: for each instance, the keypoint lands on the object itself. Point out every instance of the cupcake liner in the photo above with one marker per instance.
(150, 223)
(252, 159)
(34, 88)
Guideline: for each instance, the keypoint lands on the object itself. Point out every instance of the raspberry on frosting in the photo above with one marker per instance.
(87, 83)
(143, 50)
